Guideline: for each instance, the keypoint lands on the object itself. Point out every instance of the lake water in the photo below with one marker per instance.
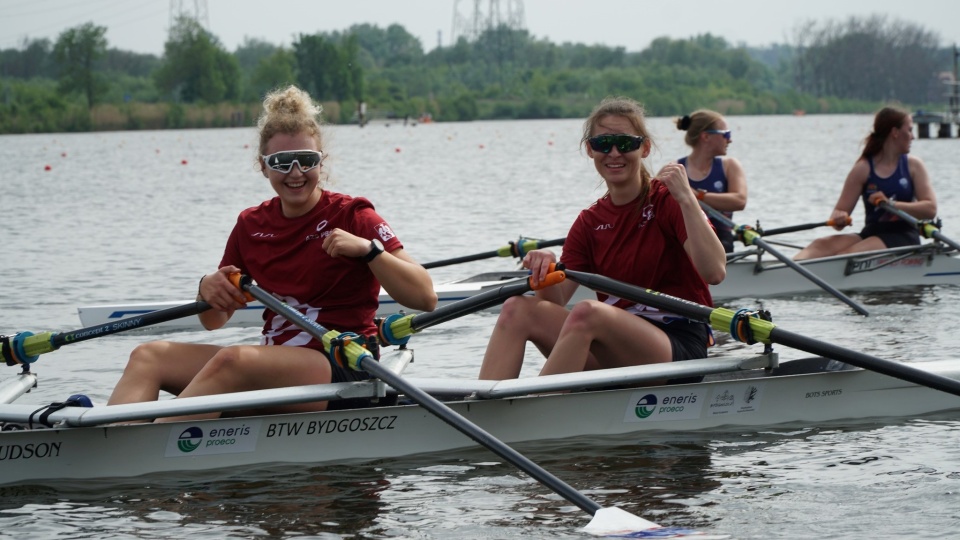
(140, 216)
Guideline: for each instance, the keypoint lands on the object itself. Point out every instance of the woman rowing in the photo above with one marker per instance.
(645, 231)
(884, 172)
(717, 179)
(324, 253)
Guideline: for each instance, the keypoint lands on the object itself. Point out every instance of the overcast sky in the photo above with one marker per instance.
(141, 25)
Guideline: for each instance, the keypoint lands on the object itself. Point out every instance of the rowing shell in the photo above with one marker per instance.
(749, 275)
(738, 393)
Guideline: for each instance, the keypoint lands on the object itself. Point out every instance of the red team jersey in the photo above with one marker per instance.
(285, 256)
(643, 247)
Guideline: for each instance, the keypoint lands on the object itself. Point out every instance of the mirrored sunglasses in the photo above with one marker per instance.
(283, 161)
(624, 143)
(725, 132)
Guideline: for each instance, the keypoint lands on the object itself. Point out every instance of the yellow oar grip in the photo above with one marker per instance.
(721, 319)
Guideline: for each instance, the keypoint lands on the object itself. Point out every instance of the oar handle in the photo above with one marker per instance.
(26, 347)
(806, 226)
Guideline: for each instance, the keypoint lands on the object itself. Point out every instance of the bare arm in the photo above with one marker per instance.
(852, 188)
(925, 204)
(735, 199)
(404, 280)
(702, 245)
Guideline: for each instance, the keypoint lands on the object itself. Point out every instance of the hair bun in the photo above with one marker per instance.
(683, 123)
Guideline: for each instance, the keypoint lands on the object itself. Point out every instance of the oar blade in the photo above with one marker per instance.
(618, 523)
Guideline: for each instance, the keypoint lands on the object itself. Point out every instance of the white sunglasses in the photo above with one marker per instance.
(283, 161)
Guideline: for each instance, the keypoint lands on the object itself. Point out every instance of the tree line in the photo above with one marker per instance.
(78, 83)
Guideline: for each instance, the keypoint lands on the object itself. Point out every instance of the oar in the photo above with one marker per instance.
(750, 237)
(397, 328)
(348, 353)
(26, 347)
(738, 325)
(929, 230)
(804, 227)
(513, 249)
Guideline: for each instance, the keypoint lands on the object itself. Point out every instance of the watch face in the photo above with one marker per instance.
(378, 243)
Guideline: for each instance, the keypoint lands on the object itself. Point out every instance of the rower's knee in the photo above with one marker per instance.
(147, 356)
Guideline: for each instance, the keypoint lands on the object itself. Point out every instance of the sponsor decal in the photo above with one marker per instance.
(326, 427)
(735, 399)
(23, 452)
(832, 392)
(909, 262)
(224, 437)
(664, 405)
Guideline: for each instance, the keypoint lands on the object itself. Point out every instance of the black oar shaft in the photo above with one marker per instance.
(705, 314)
(477, 302)
(510, 250)
(25, 347)
(750, 236)
(130, 323)
(463, 259)
(797, 228)
(431, 404)
(897, 370)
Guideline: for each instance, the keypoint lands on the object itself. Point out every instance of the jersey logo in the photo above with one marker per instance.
(384, 231)
(604, 227)
(646, 216)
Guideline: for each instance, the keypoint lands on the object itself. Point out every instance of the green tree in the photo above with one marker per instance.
(196, 67)
(273, 71)
(77, 51)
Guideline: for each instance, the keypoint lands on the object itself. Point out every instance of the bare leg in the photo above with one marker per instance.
(867, 244)
(160, 365)
(614, 337)
(827, 246)
(248, 367)
(522, 319)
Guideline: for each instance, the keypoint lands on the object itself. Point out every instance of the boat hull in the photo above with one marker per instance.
(903, 267)
(125, 451)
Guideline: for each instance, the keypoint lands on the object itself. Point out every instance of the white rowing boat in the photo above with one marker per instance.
(737, 393)
(750, 274)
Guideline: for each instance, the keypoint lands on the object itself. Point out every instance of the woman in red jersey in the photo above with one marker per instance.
(323, 253)
(646, 231)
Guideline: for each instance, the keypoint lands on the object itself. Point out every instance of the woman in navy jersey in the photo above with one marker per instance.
(718, 180)
(323, 253)
(646, 231)
(884, 172)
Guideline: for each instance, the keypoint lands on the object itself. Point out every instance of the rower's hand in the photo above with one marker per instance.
(674, 176)
(217, 290)
(340, 243)
(538, 262)
(839, 219)
(877, 197)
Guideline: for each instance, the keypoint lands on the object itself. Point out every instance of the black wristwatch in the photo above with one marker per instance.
(376, 248)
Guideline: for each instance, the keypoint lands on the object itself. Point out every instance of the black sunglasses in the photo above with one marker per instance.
(624, 143)
(725, 132)
(283, 161)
